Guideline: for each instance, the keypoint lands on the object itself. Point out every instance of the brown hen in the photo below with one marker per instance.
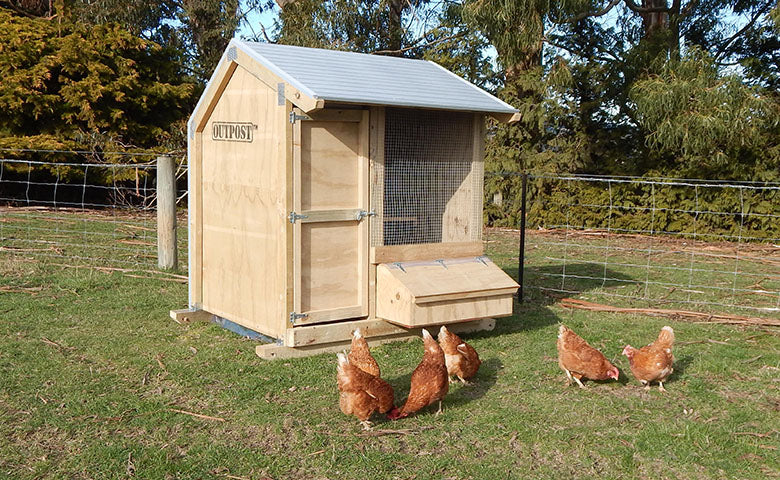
(653, 363)
(360, 393)
(578, 359)
(429, 380)
(360, 356)
(461, 358)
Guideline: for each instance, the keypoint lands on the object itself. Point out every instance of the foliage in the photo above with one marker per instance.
(709, 122)
(352, 25)
(70, 87)
(197, 30)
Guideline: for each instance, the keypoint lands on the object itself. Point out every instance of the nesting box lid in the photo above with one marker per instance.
(358, 78)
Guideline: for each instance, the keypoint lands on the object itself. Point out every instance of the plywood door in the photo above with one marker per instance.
(330, 152)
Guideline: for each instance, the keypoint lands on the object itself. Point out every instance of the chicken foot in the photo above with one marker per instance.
(569, 377)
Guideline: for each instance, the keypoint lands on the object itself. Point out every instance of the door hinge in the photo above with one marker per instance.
(295, 117)
(361, 214)
(296, 316)
(294, 216)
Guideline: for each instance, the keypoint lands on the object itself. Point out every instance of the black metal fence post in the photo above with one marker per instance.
(521, 255)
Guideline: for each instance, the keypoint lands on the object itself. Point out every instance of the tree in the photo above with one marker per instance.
(64, 84)
(354, 25)
(708, 123)
(198, 29)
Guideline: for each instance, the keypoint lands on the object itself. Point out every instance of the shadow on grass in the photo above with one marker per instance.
(680, 365)
(458, 394)
(545, 285)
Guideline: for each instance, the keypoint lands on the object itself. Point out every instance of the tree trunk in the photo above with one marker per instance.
(654, 21)
(395, 30)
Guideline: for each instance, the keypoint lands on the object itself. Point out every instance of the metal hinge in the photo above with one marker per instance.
(294, 216)
(295, 117)
(295, 316)
(361, 214)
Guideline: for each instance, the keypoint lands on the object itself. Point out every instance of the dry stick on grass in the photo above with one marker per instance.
(755, 434)
(675, 314)
(709, 340)
(30, 290)
(193, 414)
(123, 270)
(402, 431)
(176, 280)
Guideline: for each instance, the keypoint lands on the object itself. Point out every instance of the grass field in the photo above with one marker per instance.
(94, 378)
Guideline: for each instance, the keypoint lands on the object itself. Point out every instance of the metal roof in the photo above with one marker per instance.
(360, 78)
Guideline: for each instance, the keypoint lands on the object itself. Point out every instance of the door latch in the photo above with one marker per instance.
(295, 216)
(361, 214)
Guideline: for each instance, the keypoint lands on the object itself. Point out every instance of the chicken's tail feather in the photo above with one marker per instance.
(666, 337)
(561, 330)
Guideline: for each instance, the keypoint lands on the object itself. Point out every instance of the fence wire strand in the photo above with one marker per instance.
(101, 214)
(655, 240)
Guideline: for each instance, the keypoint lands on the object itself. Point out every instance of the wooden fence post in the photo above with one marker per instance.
(166, 213)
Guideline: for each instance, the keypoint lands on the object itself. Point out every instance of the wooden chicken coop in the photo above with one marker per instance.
(332, 190)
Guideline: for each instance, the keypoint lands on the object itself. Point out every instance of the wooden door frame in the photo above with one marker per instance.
(361, 309)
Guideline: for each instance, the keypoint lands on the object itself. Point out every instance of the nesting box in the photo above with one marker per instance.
(331, 190)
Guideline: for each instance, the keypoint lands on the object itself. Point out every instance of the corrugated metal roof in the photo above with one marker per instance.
(361, 78)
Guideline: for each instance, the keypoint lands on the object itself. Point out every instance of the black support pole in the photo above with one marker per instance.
(521, 255)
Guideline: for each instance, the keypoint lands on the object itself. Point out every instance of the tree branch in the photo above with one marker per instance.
(414, 44)
(637, 9)
(722, 49)
(573, 52)
(584, 15)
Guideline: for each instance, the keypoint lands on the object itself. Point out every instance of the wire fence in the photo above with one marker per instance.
(661, 241)
(700, 244)
(83, 214)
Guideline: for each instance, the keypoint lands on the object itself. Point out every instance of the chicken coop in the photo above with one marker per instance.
(332, 190)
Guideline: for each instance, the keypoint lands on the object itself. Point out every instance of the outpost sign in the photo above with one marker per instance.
(233, 131)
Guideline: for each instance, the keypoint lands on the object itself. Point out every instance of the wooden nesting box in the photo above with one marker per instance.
(332, 190)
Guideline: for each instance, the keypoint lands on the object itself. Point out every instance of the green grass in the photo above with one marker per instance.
(91, 368)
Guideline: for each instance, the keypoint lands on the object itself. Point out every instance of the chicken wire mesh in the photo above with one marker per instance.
(430, 180)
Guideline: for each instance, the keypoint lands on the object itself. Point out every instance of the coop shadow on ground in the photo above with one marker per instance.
(545, 285)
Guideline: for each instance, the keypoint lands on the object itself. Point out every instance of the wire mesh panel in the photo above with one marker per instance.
(81, 214)
(664, 241)
(430, 179)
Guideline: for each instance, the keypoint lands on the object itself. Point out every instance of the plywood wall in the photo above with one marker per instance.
(242, 187)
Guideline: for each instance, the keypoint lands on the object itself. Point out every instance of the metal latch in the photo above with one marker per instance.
(441, 262)
(294, 117)
(361, 214)
(296, 316)
(294, 216)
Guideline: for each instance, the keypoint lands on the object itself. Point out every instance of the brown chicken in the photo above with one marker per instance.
(578, 359)
(653, 363)
(360, 356)
(461, 358)
(360, 393)
(429, 380)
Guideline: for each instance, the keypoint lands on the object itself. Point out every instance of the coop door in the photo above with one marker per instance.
(330, 233)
